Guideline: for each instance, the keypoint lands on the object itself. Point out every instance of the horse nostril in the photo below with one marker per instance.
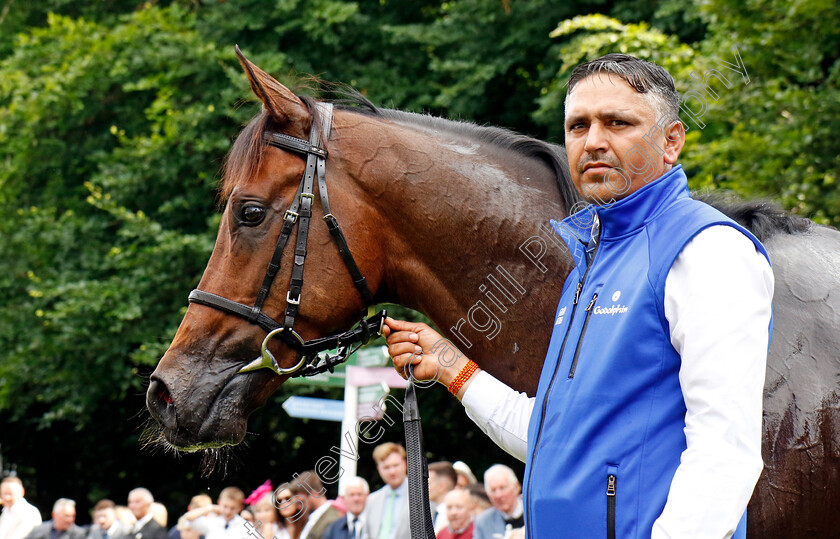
(158, 397)
(163, 394)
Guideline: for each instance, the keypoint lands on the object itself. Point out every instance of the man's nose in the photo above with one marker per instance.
(596, 138)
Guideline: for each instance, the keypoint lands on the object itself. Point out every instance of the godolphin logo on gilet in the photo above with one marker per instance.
(615, 308)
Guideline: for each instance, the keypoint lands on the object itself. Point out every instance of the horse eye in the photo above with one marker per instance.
(252, 215)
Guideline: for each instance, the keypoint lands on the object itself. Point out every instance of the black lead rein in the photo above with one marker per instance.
(310, 364)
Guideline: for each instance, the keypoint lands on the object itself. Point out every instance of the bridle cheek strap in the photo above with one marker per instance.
(300, 212)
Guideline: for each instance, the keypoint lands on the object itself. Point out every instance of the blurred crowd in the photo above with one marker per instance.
(462, 508)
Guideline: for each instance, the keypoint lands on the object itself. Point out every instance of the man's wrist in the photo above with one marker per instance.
(459, 376)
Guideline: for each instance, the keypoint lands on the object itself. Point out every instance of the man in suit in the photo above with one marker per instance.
(140, 502)
(505, 494)
(62, 525)
(387, 508)
(354, 493)
(308, 491)
(459, 515)
(106, 525)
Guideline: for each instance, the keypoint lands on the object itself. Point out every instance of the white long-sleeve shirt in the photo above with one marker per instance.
(18, 520)
(717, 302)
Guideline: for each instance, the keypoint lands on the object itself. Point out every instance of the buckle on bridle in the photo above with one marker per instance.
(267, 359)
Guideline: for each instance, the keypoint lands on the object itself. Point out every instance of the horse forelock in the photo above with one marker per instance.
(245, 157)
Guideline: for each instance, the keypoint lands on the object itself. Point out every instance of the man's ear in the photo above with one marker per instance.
(282, 104)
(674, 142)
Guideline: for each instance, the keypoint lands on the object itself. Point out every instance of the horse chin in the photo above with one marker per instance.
(208, 413)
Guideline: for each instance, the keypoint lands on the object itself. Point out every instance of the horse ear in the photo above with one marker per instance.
(284, 106)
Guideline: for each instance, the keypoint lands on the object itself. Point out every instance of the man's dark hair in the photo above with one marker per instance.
(645, 77)
(477, 490)
(104, 504)
(306, 483)
(444, 469)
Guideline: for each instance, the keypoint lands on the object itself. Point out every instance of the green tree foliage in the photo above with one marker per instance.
(776, 136)
(111, 139)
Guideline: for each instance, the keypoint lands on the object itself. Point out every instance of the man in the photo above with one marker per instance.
(62, 525)
(183, 525)
(140, 502)
(354, 494)
(387, 508)
(442, 479)
(480, 499)
(319, 511)
(504, 491)
(18, 516)
(647, 419)
(105, 523)
(459, 515)
(220, 521)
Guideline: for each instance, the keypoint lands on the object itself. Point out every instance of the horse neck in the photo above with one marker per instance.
(457, 218)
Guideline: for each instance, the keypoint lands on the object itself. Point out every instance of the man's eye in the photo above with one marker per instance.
(252, 214)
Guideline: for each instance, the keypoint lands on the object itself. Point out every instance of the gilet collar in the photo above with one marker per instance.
(629, 214)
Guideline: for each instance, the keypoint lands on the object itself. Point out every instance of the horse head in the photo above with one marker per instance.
(200, 394)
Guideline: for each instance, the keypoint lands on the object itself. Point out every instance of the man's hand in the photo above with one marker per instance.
(414, 343)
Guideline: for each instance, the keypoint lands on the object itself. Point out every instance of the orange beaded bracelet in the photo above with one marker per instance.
(462, 377)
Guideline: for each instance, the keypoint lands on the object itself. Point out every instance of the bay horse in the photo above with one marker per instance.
(451, 219)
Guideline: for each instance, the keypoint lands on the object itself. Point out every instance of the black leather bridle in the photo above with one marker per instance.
(300, 211)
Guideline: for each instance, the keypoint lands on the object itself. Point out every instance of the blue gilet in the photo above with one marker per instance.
(606, 433)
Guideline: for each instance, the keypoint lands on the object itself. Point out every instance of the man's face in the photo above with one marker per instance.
(438, 486)
(229, 508)
(138, 505)
(10, 493)
(458, 509)
(502, 493)
(392, 469)
(611, 131)
(64, 518)
(355, 499)
(104, 518)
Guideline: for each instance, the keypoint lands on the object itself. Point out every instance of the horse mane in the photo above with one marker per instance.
(245, 157)
(761, 217)
(552, 155)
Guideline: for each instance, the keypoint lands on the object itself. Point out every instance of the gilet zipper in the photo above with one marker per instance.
(611, 480)
(528, 516)
(588, 312)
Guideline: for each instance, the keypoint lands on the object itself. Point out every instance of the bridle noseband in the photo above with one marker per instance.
(300, 211)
